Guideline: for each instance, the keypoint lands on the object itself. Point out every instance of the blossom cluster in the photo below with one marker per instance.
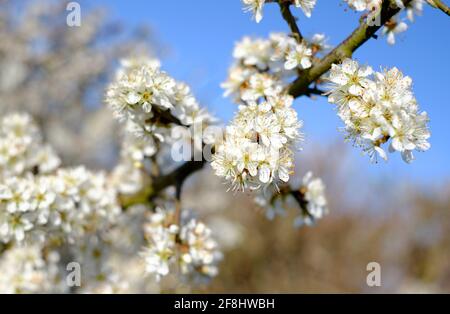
(95, 254)
(151, 101)
(38, 200)
(22, 149)
(257, 149)
(378, 107)
(187, 246)
(310, 196)
(64, 205)
(128, 175)
(395, 25)
(256, 7)
(262, 66)
(25, 269)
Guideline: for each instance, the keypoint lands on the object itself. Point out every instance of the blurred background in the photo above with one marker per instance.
(392, 213)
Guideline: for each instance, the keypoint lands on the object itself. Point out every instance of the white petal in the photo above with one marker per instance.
(264, 174)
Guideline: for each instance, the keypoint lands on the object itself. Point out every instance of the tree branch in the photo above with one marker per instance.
(176, 177)
(438, 4)
(290, 19)
(299, 87)
(157, 184)
(314, 91)
(345, 50)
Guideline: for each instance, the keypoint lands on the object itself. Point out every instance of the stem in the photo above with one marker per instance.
(291, 21)
(440, 5)
(177, 218)
(345, 50)
(158, 184)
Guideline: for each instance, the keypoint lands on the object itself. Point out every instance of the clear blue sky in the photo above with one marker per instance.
(201, 34)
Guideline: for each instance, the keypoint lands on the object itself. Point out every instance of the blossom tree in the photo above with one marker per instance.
(51, 213)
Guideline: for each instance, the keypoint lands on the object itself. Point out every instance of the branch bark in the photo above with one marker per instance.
(345, 50)
(290, 20)
(157, 184)
(176, 177)
(440, 5)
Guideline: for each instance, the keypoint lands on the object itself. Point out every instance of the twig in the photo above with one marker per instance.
(290, 19)
(315, 91)
(160, 183)
(345, 50)
(438, 4)
(177, 217)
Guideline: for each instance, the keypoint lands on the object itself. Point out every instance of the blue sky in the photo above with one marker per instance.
(200, 35)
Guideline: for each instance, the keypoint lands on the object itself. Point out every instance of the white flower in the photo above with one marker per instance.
(237, 78)
(14, 226)
(21, 148)
(128, 65)
(299, 57)
(160, 253)
(151, 102)
(364, 5)
(66, 204)
(310, 198)
(203, 252)
(261, 85)
(306, 5)
(318, 43)
(254, 6)
(25, 269)
(188, 247)
(253, 52)
(257, 147)
(414, 7)
(47, 160)
(393, 27)
(315, 196)
(263, 67)
(378, 110)
(20, 192)
(350, 76)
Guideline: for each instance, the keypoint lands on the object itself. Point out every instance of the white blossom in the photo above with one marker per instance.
(415, 7)
(263, 67)
(364, 5)
(66, 204)
(377, 109)
(314, 195)
(188, 247)
(306, 5)
(25, 269)
(309, 198)
(300, 57)
(393, 27)
(22, 149)
(151, 102)
(256, 7)
(257, 147)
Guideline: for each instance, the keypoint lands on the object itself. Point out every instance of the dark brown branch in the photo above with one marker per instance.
(163, 117)
(157, 184)
(290, 20)
(314, 91)
(438, 4)
(176, 177)
(345, 50)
